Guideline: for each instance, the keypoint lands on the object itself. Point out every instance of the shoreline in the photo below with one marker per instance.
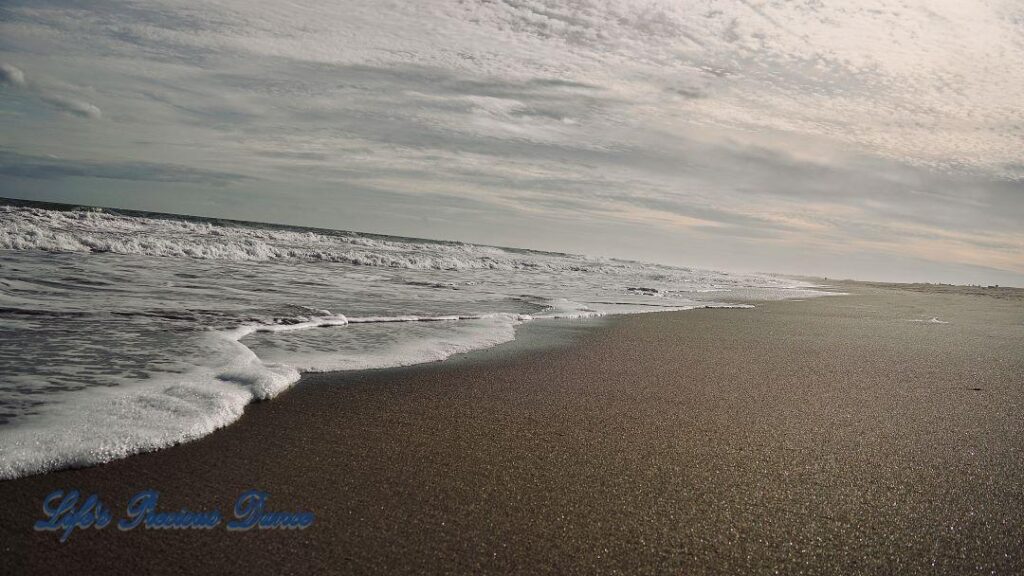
(283, 377)
(825, 434)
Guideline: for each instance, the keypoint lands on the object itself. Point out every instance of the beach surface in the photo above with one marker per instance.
(878, 432)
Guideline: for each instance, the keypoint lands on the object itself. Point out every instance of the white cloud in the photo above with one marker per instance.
(71, 106)
(14, 76)
(11, 75)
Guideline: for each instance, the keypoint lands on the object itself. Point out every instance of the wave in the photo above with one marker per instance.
(25, 228)
(103, 424)
(98, 231)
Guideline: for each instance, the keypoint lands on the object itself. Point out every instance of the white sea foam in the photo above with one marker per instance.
(933, 320)
(96, 231)
(96, 425)
(122, 333)
(415, 342)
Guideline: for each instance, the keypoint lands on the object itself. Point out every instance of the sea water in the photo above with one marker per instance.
(123, 332)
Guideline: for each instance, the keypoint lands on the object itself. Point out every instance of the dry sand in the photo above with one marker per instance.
(836, 435)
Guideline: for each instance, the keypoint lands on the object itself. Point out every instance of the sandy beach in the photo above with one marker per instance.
(874, 433)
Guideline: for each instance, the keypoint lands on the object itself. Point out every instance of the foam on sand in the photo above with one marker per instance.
(172, 409)
(933, 320)
(101, 424)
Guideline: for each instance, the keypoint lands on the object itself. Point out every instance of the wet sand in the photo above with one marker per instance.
(837, 435)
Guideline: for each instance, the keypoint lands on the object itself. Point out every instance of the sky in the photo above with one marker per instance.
(874, 139)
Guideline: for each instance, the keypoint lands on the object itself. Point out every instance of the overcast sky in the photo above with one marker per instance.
(877, 139)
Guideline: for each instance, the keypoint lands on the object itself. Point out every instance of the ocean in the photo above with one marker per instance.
(123, 332)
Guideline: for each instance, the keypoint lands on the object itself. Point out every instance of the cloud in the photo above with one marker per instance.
(11, 75)
(17, 165)
(72, 106)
